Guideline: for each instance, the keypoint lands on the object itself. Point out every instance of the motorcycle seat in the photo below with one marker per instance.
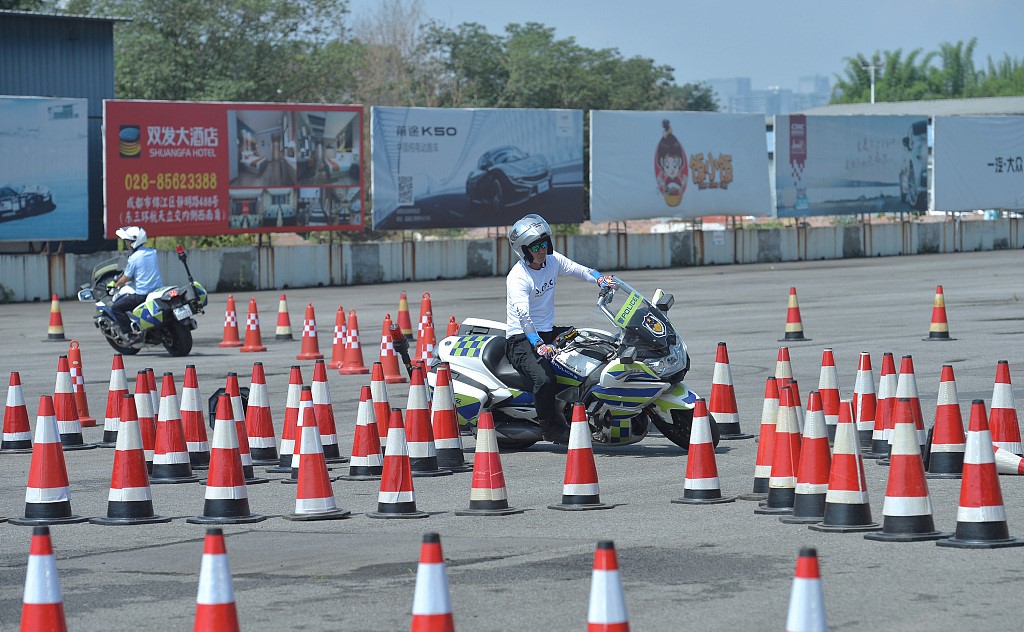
(493, 357)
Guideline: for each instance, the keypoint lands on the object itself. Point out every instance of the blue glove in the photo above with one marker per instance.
(546, 351)
(607, 281)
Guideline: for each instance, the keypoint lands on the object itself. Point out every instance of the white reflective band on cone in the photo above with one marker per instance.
(981, 514)
(47, 494)
(607, 604)
(907, 506)
(431, 590)
(588, 489)
(129, 494)
(392, 498)
(226, 493)
(806, 607)
(42, 586)
(215, 581)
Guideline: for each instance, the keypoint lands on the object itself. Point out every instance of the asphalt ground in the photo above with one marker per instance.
(717, 567)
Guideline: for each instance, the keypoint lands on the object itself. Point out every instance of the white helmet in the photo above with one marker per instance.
(527, 231)
(135, 234)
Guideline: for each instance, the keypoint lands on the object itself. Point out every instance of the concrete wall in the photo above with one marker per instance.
(36, 277)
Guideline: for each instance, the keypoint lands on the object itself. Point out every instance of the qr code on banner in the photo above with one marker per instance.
(405, 194)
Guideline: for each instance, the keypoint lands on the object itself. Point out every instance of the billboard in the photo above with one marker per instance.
(677, 164)
(179, 168)
(979, 162)
(44, 174)
(452, 168)
(842, 165)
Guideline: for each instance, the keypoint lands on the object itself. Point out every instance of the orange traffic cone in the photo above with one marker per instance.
(116, 391)
(340, 340)
(785, 459)
(381, 405)
(806, 599)
(419, 433)
(1005, 428)
(193, 421)
(259, 421)
(238, 414)
(147, 417)
(797, 405)
(367, 462)
(846, 501)
(886, 400)
(286, 448)
(154, 396)
(230, 338)
(813, 469)
(17, 434)
(607, 609)
(723, 398)
(580, 490)
(426, 344)
(55, 331)
(794, 326)
(487, 494)
(828, 387)
(865, 402)
(765, 442)
(445, 423)
(906, 386)
(939, 327)
(1008, 462)
(426, 320)
(310, 346)
(42, 606)
(353, 364)
(78, 384)
(253, 338)
(171, 463)
(432, 603)
(783, 367)
(396, 498)
(314, 497)
(305, 401)
(66, 409)
(404, 322)
(215, 600)
(701, 485)
(283, 331)
(323, 411)
(453, 327)
(946, 457)
(388, 355)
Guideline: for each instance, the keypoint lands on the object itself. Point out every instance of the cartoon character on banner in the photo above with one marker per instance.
(670, 166)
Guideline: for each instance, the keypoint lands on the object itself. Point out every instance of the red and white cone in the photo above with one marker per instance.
(215, 599)
(353, 364)
(806, 599)
(388, 355)
(453, 327)
(55, 330)
(981, 515)
(283, 330)
(17, 434)
(783, 368)
(367, 462)
(906, 386)
(846, 501)
(396, 498)
(785, 458)
(226, 500)
(580, 489)
(147, 418)
(432, 603)
(340, 340)
(154, 396)
(939, 327)
(797, 405)
(193, 421)
(1008, 462)
(42, 605)
(130, 500)
(323, 410)
(445, 422)
(701, 485)
(765, 442)
(946, 459)
(171, 462)
(66, 409)
(310, 345)
(794, 325)
(828, 387)
(78, 384)
(253, 337)
(422, 452)
(723, 398)
(487, 495)
(48, 494)
(230, 338)
(238, 413)
(426, 320)
(305, 401)
(886, 402)
(381, 405)
(291, 422)
(607, 609)
(314, 497)
(865, 402)
(116, 391)
(1003, 422)
(427, 344)
(813, 469)
(907, 510)
(259, 421)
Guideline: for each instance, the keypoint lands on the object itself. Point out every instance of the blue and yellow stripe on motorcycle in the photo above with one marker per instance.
(470, 346)
(624, 372)
(467, 409)
(148, 315)
(619, 432)
(678, 397)
(204, 300)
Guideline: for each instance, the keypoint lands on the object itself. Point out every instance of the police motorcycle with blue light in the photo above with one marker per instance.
(163, 316)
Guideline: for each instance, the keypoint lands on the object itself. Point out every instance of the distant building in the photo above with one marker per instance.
(735, 95)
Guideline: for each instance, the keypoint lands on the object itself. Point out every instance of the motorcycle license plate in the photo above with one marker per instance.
(183, 312)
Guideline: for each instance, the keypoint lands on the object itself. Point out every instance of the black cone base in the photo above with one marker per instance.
(736, 437)
(334, 514)
(336, 459)
(704, 501)
(942, 475)
(580, 507)
(27, 450)
(35, 522)
(385, 515)
(279, 470)
(226, 519)
(255, 480)
(973, 544)
(171, 481)
(359, 477)
(78, 446)
(108, 521)
(106, 444)
(840, 528)
(794, 337)
(801, 519)
(938, 338)
(773, 511)
(906, 537)
(758, 496)
(430, 473)
(488, 511)
(260, 462)
(457, 469)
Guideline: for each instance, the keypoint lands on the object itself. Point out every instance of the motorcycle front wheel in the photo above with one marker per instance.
(177, 339)
(678, 430)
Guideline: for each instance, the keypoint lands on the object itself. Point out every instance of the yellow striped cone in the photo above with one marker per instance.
(939, 327)
(55, 331)
(794, 325)
(283, 331)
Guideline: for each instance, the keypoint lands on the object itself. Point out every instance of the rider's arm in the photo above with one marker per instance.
(568, 267)
(129, 272)
(518, 292)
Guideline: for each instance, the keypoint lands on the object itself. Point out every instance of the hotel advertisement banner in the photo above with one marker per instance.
(677, 164)
(979, 162)
(184, 168)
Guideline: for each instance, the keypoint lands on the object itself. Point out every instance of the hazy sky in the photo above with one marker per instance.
(773, 43)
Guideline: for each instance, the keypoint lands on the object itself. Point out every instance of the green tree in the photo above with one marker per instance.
(955, 77)
(897, 78)
(1005, 78)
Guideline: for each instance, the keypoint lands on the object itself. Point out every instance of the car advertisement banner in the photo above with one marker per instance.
(454, 168)
(677, 164)
(44, 171)
(844, 165)
(179, 168)
(979, 162)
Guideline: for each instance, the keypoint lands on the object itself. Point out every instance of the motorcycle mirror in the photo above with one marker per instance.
(663, 300)
(628, 355)
(85, 295)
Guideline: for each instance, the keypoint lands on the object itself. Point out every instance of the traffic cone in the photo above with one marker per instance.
(396, 498)
(283, 331)
(723, 398)
(580, 489)
(48, 494)
(291, 418)
(701, 485)
(865, 402)
(215, 599)
(154, 396)
(253, 339)
(171, 463)
(806, 599)
(883, 412)
(607, 609)
(487, 495)
(130, 500)
(981, 515)
(453, 327)
(367, 462)
(432, 603)
(323, 410)
(1008, 462)
(907, 510)
(310, 346)
(420, 435)
(42, 605)
(227, 500)
(238, 414)
(445, 423)
(116, 391)
(340, 340)
(381, 405)
(147, 420)
(55, 331)
(813, 469)
(794, 326)
(353, 364)
(305, 401)
(193, 421)
(783, 368)
(906, 386)
(259, 421)
(948, 443)
(427, 344)
(765, 442)
(426, 321)
(828, 388)
(785, 458)
(1003, 423)
(846, 502)
(78, 384)
(388, 356)
(314, 497)
(939, 327)
(797, 405)
(404, 322)
(230, 338)
(17, 435)
(68, 421)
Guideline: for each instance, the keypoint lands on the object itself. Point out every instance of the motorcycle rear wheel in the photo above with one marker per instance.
(678, 430)
(177, 339)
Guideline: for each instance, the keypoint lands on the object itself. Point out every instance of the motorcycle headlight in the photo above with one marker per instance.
(672, 362)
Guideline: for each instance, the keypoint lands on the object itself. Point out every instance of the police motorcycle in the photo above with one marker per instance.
(165, 318)
(627, 379)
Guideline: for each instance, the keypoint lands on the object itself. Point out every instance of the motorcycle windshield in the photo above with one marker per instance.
(635, 314)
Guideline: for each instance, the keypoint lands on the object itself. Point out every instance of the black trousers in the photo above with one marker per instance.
(536, 371)
(122, 306)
